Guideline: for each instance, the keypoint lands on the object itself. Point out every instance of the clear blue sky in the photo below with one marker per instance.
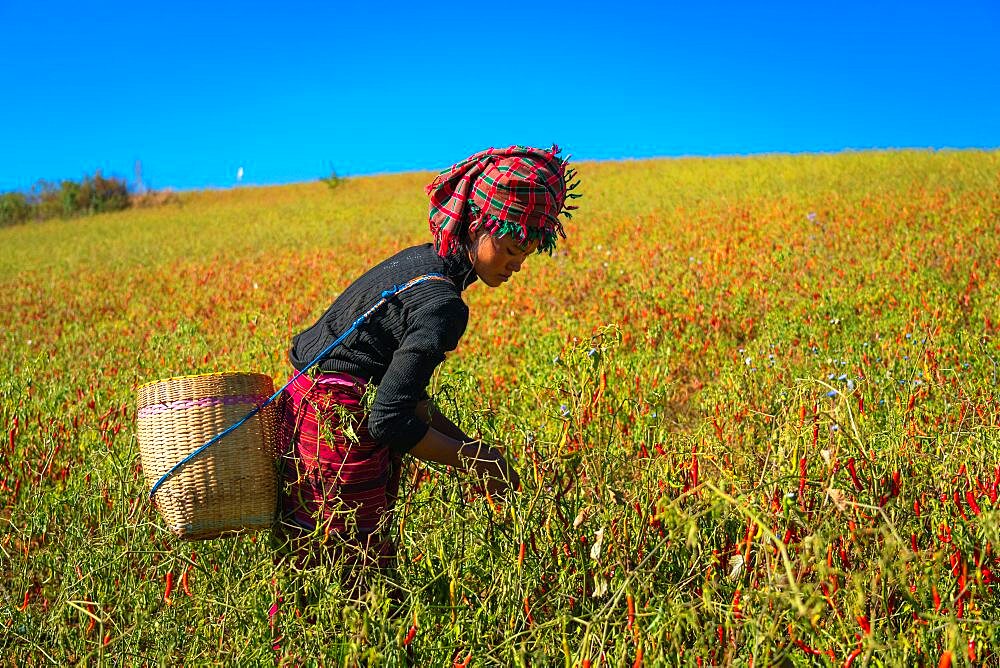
(288, 90)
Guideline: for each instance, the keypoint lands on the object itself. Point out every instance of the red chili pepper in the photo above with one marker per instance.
(896, 482)
(694, 468)
(842, 553)
(972, 650)
(850, 659)
(970, 498)
(807, 649)
(184, 581)
(864, 624)
(27, 599)
(638, 658)
(527, 611)
(465, 662)
(169, 588)
(937, 598)
(410, 635)
(945, 661)
(958, 504)
(92, 623)
(631, 610)
(736, 605)
(854, 474)
(520, 555)
(802, 477)
(913, 541)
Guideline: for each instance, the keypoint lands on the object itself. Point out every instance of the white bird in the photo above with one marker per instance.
(239, 174)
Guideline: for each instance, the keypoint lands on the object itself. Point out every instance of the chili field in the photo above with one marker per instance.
(753, 403)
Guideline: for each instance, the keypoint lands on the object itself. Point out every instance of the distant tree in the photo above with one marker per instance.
(95, 194)
(333, 180)
(14, 209)
(69, 199)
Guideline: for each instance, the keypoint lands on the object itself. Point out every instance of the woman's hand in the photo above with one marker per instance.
(476, 457)
(497, 476)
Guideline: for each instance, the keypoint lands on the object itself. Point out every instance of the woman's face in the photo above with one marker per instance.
(496, 260)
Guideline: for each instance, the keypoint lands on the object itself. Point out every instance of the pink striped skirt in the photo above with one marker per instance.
(338, 487)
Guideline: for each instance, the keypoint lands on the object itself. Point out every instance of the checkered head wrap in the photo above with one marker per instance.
(518, 190)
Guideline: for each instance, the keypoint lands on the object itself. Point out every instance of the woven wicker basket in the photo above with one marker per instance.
(232, 485)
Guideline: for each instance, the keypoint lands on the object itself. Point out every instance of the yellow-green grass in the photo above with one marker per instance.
(691, 377)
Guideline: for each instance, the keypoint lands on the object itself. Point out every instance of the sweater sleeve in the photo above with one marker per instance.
(434, 330)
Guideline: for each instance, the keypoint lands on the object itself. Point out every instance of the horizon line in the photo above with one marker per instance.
(677, 156)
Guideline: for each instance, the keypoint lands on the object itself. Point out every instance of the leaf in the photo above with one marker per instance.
(736, 563)
(838, 498)
(595, 550)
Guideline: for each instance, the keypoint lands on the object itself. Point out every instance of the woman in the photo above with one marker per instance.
(341, 460)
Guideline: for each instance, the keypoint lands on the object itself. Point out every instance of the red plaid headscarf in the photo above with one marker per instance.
(518, 190)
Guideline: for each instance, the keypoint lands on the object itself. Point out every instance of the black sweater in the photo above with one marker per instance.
(401, 344)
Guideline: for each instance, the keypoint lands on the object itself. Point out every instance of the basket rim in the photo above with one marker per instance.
(204, 375)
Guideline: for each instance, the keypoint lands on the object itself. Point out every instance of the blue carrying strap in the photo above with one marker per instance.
(386, 296)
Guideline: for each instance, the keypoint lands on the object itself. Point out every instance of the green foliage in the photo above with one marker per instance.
(752, 403)
(334, 180)
(67, 199)
(14, 208)
(94, 194)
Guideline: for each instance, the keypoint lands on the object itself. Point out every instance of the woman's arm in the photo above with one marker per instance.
(436, 419)
(466, 454)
